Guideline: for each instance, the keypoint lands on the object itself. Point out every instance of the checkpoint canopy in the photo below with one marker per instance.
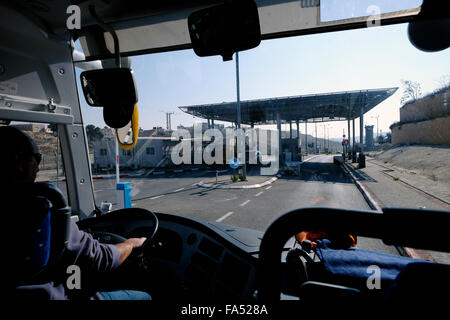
(336, 106)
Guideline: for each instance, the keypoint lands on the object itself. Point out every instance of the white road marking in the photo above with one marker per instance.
(224, 216)
(179, 189)
(258, 194)
(268, 187)
(244, 203)
(309, 159)
(152, 198)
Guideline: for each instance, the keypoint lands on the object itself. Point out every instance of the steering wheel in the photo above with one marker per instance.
(107, 237)
(148, 243)
(125, 215)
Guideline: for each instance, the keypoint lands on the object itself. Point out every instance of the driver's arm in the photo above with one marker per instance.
(88, 253)
(127, 246)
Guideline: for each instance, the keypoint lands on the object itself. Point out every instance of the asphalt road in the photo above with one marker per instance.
(321, 183)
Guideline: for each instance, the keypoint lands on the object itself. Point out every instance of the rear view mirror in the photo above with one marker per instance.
(113, 89)
(225, 29)
(428, 34)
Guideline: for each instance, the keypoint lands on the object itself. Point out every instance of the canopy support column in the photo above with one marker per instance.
(349, 136)
(316, 149)
(353, 142)
(362, 158)
(279, 137)
(290, 129)
(306, 135)
(299, 141)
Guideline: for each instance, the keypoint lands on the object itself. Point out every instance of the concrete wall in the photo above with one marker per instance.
(425, 109)
(30, 127)
(434, 132)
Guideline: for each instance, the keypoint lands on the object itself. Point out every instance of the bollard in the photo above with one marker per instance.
(354, 157)
(362, 161)
(123, 190)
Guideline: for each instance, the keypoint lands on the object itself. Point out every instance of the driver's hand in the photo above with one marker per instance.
(127, 246)
(136, 242)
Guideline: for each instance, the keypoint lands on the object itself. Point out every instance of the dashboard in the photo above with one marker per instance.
(188, 257)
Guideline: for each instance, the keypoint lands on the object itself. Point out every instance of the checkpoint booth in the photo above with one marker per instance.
(296, 110)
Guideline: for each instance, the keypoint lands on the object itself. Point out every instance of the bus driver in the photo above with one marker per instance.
(19, 163)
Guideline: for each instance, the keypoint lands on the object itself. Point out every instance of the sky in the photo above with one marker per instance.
(369, 58)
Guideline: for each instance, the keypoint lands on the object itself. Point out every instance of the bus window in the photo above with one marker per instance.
(51, 166)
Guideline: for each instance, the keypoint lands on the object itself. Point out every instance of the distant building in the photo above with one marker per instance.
(33, 127)
(155, 132)
(147, 153)
(108, 133)
(369, 137)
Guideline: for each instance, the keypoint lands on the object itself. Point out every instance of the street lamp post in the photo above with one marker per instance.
(324, 136)
(238, 111)
(328, 138)
(324, 126)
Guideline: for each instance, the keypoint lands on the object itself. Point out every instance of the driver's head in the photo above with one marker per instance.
(19, 161)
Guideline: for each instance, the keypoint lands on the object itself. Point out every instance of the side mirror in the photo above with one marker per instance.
(113, 89)
(225, 29)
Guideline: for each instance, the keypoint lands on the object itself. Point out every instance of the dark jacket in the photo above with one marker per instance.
(83, 251)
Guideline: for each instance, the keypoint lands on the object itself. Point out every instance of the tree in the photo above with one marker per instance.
(444, 82)
(93, 133)
(388, 138)
(411, 91)
(53, 127)
(380, 139)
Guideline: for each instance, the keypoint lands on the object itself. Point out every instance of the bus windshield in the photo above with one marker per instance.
(197, 156)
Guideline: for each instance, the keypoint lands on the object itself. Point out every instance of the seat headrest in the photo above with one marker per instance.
(37, 217)
(34, 239)
(421, 284)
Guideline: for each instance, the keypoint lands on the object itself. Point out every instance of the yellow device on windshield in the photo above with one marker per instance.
(123, 134)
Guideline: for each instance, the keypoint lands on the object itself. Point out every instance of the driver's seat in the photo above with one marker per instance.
(423, 285)
(37, 221)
